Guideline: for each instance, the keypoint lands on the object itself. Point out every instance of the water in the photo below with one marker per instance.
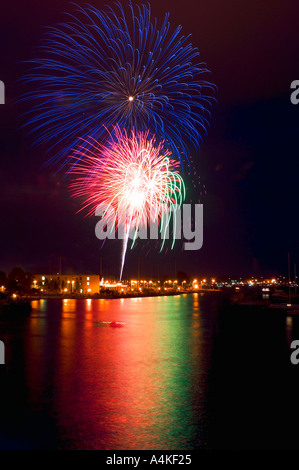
(177, 375)
(74, 382)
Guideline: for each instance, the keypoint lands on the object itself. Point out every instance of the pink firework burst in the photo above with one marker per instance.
(133, 175)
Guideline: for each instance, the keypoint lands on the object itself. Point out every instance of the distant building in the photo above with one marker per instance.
(106, 286)
(67, 283)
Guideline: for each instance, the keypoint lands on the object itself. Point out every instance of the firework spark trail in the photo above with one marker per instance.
(103, 68)
(125, 246)
(134, 176)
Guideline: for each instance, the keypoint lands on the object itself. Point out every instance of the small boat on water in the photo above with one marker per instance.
(117, 324)
(112, 324)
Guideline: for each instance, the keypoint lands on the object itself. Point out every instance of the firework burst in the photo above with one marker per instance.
(100, 69)
(132, 175)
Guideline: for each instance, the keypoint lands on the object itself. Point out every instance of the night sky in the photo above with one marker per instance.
(247, 164)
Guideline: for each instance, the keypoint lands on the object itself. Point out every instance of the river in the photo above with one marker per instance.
(170, 376)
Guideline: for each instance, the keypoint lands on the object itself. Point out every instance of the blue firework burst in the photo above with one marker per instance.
(102, 68)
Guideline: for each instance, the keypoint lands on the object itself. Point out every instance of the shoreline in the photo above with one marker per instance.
(120, 296)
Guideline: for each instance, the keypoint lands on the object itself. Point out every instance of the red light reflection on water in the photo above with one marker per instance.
(141, 386)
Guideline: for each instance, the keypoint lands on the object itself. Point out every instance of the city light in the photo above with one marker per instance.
(76, 285)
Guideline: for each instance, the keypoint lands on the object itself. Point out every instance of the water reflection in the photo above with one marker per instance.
(142, 386)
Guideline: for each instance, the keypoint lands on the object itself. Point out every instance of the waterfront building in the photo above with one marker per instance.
(67, 283)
